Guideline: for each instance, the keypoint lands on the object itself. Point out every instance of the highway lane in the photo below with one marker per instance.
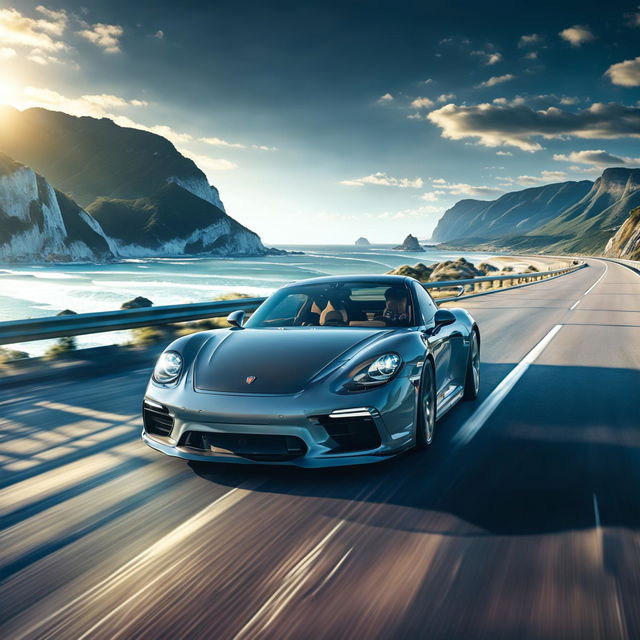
(528, 529)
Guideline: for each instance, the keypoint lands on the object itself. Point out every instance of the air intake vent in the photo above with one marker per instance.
(354, 432)
(156, 419)
(259, 447)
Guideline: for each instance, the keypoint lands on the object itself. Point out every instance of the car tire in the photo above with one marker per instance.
(472, 376)
(426, 414)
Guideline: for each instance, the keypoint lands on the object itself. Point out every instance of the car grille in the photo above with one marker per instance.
(156, 419)
(258, 447)
(351, 433)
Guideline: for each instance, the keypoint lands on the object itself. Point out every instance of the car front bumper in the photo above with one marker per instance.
(389, 413)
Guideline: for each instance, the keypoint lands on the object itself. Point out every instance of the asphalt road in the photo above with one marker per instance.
(521, 521)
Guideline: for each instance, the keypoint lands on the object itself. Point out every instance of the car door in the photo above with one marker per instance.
(439, 341)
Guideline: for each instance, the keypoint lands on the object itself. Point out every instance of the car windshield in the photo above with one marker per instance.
(337, 304)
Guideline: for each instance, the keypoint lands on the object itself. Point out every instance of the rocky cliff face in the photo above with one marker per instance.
(38, 223)
(626, 241)
(517, 212)
(173, 222)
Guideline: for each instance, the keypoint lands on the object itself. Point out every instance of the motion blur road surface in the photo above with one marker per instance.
(521, 521)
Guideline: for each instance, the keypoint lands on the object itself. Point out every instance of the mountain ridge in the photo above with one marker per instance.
(570, 217)
(159, 201)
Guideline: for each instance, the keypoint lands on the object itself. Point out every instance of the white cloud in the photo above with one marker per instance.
(425, 82)
(596, 157)
(504, 153)
(463, 189)
(382, 179)
(209, 165)
(159, 34)
(432, 196)
(6, 53)
(625, 74)
(18, 30)
(409, 213)
(515, 124)
(385, 99)
(96, 105)
(56, 22)
(218, 142)
(488, 57)
(577, 35)
(494, 80)
(422, 103)
(43, 58)
(545, 177)
(530, 40)
(446, 97)
(105, 36)
(532, 55)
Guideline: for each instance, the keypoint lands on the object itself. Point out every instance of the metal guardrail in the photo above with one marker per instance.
(79, 324)
(469, 286)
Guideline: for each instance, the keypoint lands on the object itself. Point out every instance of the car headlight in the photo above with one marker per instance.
(168, 367)
(379, 371)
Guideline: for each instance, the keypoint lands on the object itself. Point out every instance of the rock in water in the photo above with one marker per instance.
(410, 244)
(361, 241)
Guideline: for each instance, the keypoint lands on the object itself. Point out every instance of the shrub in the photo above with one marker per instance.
(7, 355)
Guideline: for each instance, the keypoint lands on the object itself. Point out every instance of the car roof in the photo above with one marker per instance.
(371, 278)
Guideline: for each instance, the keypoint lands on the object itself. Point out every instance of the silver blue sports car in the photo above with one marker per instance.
(328, 371)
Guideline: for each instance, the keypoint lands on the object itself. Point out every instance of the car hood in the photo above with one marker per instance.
(280, 361)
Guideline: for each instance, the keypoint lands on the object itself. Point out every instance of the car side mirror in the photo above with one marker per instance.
(443, 317)
(236, 318)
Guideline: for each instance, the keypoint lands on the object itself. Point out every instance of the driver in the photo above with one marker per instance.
(396, 308)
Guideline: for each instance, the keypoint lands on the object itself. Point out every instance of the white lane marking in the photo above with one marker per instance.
(293, 582)
(606, 268)
(575, 304)
(596, 510)
(159, 549)
(476, 421)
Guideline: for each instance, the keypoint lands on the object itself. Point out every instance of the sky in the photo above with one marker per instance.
(320, 122)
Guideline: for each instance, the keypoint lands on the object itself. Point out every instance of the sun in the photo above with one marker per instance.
(9, 93)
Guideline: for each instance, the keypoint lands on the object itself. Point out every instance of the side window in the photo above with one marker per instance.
(426, 306)
(288, 307)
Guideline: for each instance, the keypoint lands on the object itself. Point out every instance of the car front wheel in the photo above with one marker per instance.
(472, 378)
(425, 425)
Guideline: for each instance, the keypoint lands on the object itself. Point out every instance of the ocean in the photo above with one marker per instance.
(32, 291)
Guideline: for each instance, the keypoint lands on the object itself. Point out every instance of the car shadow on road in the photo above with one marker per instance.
(563, 444)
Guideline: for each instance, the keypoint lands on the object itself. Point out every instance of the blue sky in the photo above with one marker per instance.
(324, 121)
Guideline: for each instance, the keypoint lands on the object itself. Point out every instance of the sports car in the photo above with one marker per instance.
(327, 371)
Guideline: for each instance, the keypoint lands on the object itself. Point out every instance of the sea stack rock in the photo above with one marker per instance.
(362, 241)
(410, 244)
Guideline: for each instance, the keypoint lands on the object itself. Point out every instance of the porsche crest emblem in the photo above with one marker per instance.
(250, 379)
